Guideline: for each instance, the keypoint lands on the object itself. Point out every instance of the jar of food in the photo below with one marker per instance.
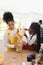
(19, 47)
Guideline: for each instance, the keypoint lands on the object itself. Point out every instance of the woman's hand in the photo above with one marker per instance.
(15, 45)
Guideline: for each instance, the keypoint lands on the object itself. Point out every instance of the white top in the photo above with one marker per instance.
(30, 40)
(6, 38)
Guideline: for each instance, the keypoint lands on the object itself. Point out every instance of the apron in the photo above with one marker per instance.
(12, 40)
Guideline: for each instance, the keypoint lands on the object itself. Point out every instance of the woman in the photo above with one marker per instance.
(10, 35)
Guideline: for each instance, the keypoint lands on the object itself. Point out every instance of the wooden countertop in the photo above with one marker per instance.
(12, 57)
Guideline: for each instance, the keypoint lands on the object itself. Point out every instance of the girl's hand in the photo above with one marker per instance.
(24, 43)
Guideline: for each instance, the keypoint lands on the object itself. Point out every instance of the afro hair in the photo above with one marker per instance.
(7, 17)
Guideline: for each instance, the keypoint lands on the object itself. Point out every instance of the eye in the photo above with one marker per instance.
(12, 24)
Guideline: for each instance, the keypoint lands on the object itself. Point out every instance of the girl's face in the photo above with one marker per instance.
(11, 25)
(31, 31)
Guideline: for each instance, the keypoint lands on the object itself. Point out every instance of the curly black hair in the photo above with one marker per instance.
(35, 26)
(7, 17)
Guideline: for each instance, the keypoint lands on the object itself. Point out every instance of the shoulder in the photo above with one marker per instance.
(16, 29)
(34, 36)
(7, 32)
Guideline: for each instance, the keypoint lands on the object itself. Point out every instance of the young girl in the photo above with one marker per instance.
(33, 43)
(10, 35)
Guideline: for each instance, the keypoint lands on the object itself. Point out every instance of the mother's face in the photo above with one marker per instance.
(11, 25)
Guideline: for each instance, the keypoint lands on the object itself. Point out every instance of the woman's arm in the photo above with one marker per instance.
(32, 40)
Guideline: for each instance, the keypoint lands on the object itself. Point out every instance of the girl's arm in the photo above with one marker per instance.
(32, 40)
